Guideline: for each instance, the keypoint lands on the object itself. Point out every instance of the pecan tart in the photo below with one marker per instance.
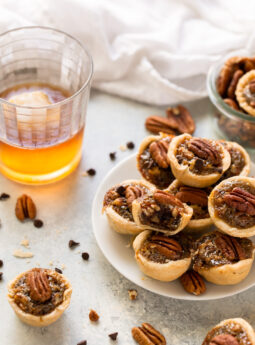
(232, 206)
(197, 162)
(39, 296)
(223, 259)
(231, 332)
(118, 204)
(245, 92)
(152, 160)
(197, 199)
(161, 211)
(161, 257)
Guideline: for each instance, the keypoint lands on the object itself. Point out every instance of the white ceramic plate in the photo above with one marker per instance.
(116, 247)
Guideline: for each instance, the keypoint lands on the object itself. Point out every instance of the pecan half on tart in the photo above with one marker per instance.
(152, 160)
(39, 296)
(223, 259)
(245, 92)
(118, 205)
(197, 199)
(197, 162)
(231, 332)
(161, 257)
(161, 211)
(232, 206)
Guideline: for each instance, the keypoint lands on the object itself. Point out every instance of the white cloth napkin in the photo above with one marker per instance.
(154, 51)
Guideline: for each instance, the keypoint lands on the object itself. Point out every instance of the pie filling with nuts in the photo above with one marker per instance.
(216, 249)
(39, 291)
(154, 164)
(238, 161)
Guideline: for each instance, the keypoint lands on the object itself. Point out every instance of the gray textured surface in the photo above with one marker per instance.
(65, 208)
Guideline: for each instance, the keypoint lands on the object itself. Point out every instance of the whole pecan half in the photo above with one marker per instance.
(156, 124)
(205, 150)
(224, 339)
(233, 83)
(241, 200)
(166, 246)
(38, 284)
(132, 193)
(165, 198)
(193, 283)
(158, 151)
(148, 335)
(25, 208)
(192, 195)
(181, 119)
(230, 247)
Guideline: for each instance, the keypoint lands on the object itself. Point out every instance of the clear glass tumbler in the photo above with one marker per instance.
(42, 144)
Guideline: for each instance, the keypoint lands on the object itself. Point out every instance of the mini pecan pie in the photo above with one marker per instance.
(152, 160)
(232, 206)
(161, 211)
(197, 199)
(245, 92)
(162, 257)
(118, 204)
(197, 162)
(223, 259)
(231, 332)
(39, 296)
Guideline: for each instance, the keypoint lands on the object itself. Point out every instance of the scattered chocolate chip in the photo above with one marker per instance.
(199, 164)
(112, 155)
(83, 342)
(4, 196)
(58, 270)
(113, 336)
(130, 145)
(1, 263)
(85, 256)
(73, 244)
(93, 315)
(1, 275)
(121, 190)
(91, 172)
(38, 223)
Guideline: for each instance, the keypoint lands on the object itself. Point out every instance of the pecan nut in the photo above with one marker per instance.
(233, 83)
(165, 198)
(231, 103)
(25, 208)
(230, 247)
(148, 335)
(166, 246)
(156, 124)
(158, 151)
(192, 195)
(224, 339)
(181, 119)
(204, 150)
(132, 193)
(38, 283)
(241, 200)
(193, 283)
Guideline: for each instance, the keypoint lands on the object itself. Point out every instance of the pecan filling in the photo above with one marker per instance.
(232, 329)
(235, 204)
(154, 164)
(216, 249)
(39, 296)
(121, 198)
(202, 156)
(237, 163)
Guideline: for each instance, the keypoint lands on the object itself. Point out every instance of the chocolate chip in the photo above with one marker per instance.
(113, 336)
(1, 263)
(83, 342)
(85, 256)
(198, 164)
(112, 155)
(4, 196)
(73, 244)
(1, 275)
(121, 190)
(130, 145)
(91, 172)
(38, 223)
(58, 270)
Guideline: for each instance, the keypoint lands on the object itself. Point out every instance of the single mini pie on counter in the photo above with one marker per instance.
(223, 259)
(245, 92)
(161, 257)
(231, 332)
(197, 199)
(39, 296)
(232, 206)
(118, 204)
(197, 162)
(161, 211)
(152, 160)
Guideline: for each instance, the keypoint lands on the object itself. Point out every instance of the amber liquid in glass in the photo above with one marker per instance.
(45, 162)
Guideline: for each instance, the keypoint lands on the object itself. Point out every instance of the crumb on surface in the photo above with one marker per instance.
(18, 253)
(123, 148)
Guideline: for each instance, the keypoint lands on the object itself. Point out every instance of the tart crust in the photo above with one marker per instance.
(159, 271)
(220, 223)
(119, 223)
(185, 175)
(42, 320)
(241, 85)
